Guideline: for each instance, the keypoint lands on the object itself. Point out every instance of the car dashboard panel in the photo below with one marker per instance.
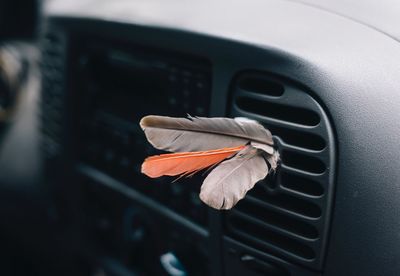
(100, 77)
(119, 86)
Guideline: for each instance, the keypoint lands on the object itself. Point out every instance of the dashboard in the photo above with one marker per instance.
(323, 79)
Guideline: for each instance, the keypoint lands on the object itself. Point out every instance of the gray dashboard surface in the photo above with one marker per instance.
(353, 69)
(381, 15)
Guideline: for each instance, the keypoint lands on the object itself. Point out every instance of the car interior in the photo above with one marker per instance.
(77, 76)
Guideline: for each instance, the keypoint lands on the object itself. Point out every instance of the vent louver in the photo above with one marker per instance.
(52, 65)
(288, 213)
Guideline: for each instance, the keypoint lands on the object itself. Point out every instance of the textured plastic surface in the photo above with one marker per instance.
(382, 16)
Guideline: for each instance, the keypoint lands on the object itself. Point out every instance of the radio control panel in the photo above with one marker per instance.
(116, 87)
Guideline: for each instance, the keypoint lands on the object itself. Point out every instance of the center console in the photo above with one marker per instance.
(120, 83)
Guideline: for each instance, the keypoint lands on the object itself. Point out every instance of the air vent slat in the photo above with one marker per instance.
(281, 243)
(287, 202)
(301, 150)
(283, 167)
(270, 122)
(282, 112)
(300, 195)
(276, 221)
(278, 208)
(298, 138)
(261, 85)
(284, 211)
(301, 184)
(269, 227)
(303, 162)
(321, 178)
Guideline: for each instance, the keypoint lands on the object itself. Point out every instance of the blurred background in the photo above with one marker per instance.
(48, 228)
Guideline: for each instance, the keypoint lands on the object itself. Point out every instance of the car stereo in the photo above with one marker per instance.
(118, 84)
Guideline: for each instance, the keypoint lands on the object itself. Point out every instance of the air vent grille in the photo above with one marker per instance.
(288, 213)
(52, 65)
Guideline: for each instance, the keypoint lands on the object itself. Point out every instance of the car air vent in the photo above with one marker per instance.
(288, 213)
(52, 65)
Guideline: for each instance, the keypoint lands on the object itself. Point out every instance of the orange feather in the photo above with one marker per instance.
(185, 163)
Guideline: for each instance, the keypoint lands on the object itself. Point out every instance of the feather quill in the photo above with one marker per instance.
(239, 152)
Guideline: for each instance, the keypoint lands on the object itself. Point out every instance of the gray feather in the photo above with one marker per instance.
(198, 133)
(273, 159)
(232, 179)
(264, 147)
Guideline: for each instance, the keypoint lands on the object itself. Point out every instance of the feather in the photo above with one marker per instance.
(264, 147)
(273, 160)
(185, 163)
(232, 179)
(200, 134)
(238, 153)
